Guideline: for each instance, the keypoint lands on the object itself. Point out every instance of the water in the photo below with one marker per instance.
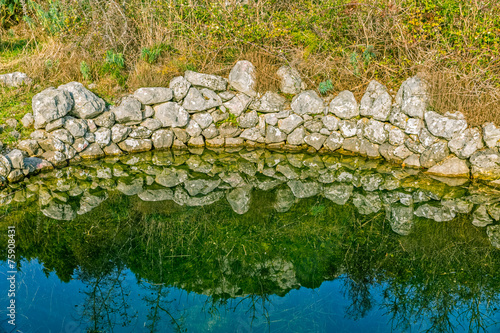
(250, 241)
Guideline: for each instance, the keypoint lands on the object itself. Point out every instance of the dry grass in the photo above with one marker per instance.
(454, 45)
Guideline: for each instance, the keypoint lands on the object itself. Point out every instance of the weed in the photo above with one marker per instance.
(85, 70)
(325, 86)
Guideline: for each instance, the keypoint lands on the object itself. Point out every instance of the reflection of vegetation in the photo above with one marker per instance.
(212, 250)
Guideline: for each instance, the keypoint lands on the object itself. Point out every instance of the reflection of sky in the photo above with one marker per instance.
(49, 305)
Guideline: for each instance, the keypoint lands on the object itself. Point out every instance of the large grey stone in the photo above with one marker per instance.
(290, 81)
(414, 126)
(344, 105)
(480, 217)
(375, 131)
(213, 82)
(171, 114)
(438, 213)
(153, 95)
(307, 102)
(55, 124)
(242, 77)
(119, 132)
(135, 145)
(334, 141)
(163, 138)
(16, 158)
(491, 135)
(274, 134)
(203, 119)
(296, 137)
(396, 136)
(51, 144)
(290, 123)
(466, 143)
(251, 134)
(485, 163)
(152, 124)
(315, 140)
(331, 122)
(28, 120)
(15, 79)
(193, 129)
(201, 100)
(413, 97)
(339, 193)
(63, 135)
(238, 104)
(31, 147)
(248, 119)
(450, 167)
(49, 105)
(77, 127)
(129, 111)
(302, 189)
(376, 102)
(93, 151)
(447, 126)
(87, 104)
(180, 87)
(434, 154)
(103, 137)
(106, 119)
(270, 102)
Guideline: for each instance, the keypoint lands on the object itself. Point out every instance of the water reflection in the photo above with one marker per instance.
(234, 242)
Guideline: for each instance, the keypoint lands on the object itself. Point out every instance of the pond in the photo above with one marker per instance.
(250, 241)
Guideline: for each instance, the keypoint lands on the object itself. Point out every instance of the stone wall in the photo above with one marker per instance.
(71, 123)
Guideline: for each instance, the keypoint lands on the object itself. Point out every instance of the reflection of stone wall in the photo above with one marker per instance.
(198, 110)
(203, 176)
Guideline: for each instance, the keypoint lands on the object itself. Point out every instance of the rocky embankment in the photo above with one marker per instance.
(72, 124)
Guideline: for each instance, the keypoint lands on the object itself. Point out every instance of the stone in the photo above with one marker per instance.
(193, 129)
(234, 142)
(35, 164)
(376, 102)
(480, 217)
(28, 120)
(238, 104)
(129, 111)
(313, 125)
(106, 119)
(59, 211)
(414, 126)
(181, 134)
(307, 102)
(351, 144)
(290, 81)
(426, 138)
(136, 145)
(112, 150)
(151, 124)
(119, 132)
(413, 97)
(447, 126)
(412, 161)
(315, 140)
(180, 87)
(302, 189)
(450, 167)
(196, 141)
(331, 122)
(334, 141)
(213, 82)
(239, 199)
(130, 186)
(396, 136)
(338, 193)
(92, 127)
(49, 105)
(368, 203)
(56, 158)
(375, 131)
(51, 144)
(103, 137)
(367, 148)
(251, 134)
(438, 213)
(54, 125)
(296, 137)
(290, 123)
(229, 130)
(39, 135)
(201, 100)
(163, 138)
(242, 77)
(5, 166)
(15, 79)
(493, 232)
(400, 218)
(269, 103)
(414, 145)
(485, 164)
(77, 127)
(271, 119)
(348, 128)
(31, 147)
(203, 119)
(434, 154)
(80, 144)
(491, 135)
(161, 194)
(148, 112)
(139, 132)
(248, 119)
(63, 135)
(93, 151)
(210, 132)
(16, 158)
(90, 137)
(154, 95)
(226, 95)
(87, 104)
(344, 105)
(11, 122)
(171, 114)
(466, 143)
(274, 134)
(284, 200)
